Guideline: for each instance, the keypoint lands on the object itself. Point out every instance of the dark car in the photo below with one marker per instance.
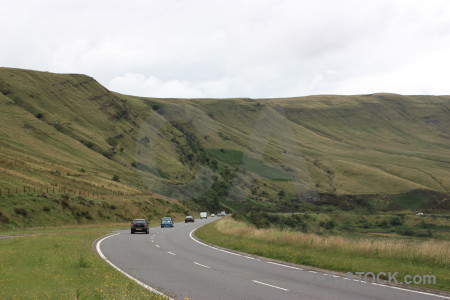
(166, 222)
(139, 225)
(189, 219)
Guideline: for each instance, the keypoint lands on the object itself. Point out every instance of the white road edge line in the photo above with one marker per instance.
(201, 265)
(402, 289)
(99, 251)
(171, 253)
(286, 266)
(274, 286)
(190, 234)
(387, 286)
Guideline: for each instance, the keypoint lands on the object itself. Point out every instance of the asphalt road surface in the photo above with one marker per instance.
(172, 262)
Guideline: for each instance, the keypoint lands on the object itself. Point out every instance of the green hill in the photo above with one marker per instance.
(69, 131)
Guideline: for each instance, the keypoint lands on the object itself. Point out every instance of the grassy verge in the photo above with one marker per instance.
(345, 254)
(30, 210)
(58, 263)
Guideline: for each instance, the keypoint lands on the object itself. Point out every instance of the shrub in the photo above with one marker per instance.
(88, 144)
(58, 126)
(112, 141)
(116, 178)
(107, 154)
(21, 211)
(396, 221)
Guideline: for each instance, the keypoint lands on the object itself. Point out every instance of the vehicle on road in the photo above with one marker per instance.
(223, 213)
(213, 215)
(166, 222)
(189, 219)
(139, 225)
(203, 215)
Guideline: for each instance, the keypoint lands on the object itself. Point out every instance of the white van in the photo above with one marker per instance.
(203, 215)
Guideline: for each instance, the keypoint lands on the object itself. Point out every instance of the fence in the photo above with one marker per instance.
(4, 191)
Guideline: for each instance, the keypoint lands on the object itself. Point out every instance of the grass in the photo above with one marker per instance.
(237, 158)
(345, 254)
(68, 131)
(18, 211)
(59, 263)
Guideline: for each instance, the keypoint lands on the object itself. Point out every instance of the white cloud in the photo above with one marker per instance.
(270, 48)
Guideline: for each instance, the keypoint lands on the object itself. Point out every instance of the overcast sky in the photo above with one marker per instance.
(235, 48)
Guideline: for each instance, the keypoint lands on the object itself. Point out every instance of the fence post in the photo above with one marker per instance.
(47, 190)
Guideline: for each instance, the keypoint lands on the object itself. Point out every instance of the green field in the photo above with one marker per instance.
(59, 263)
(355, 253)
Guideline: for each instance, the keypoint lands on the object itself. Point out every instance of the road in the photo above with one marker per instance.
(172, 262)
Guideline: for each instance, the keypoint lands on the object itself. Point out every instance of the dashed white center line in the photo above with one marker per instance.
(274, 286)
(157, 246)
(286, 266)
(171, 253)
(201, 265)
(312, 272)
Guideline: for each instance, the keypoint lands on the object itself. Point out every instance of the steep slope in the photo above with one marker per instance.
(68, 130)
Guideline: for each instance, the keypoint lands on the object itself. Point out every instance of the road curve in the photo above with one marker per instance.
(172, 262)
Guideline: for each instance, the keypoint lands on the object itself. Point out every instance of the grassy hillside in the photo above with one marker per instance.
(69, 132)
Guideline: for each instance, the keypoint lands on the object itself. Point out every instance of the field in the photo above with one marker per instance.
(59, 263)
(339, 253)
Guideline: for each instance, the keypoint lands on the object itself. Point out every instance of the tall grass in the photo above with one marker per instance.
(339, 253)
(431, 251)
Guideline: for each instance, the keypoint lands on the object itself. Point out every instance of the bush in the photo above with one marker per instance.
(396, 221)
(107, 154)
(21, 211)
(88, 144)
(39, 115)
(59, 127)
(116, 178)
(112, 141)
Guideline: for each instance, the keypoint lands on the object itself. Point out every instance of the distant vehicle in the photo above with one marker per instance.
(419, 214)
(223, 213)
(189, 219)
(139, 225)
(166, 222)
(203, 215)
(213, 215)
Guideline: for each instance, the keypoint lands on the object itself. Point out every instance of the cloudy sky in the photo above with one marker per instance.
(235, 48)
